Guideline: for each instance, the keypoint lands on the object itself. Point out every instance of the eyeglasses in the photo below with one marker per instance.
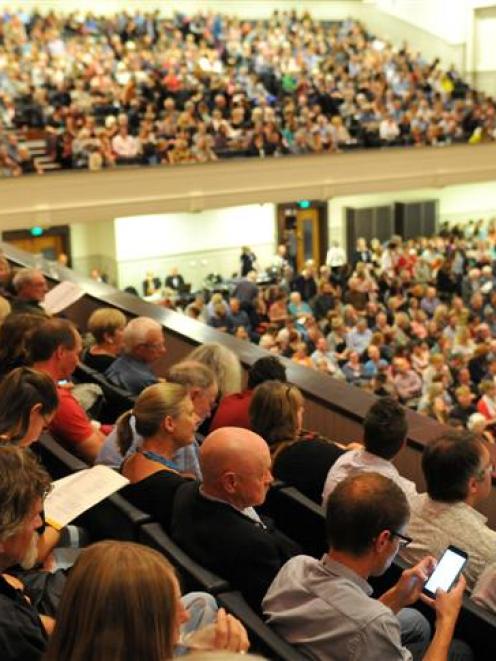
(404, 539)
(488, 468)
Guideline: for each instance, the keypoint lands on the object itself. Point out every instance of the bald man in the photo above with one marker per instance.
(216, 522)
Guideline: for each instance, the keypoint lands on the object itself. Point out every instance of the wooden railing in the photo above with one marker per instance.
(335, 409)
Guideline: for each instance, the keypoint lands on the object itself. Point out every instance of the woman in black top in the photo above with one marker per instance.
(300, 458)
(166, 420)
(107, 327)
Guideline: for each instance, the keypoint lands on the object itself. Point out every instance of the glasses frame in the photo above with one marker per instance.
(404, 539)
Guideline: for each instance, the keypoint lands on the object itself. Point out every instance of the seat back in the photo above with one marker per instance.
(192, 575)
(299, 518)
(262, 638)
(116, 400)
(113, 518)
(58, 461)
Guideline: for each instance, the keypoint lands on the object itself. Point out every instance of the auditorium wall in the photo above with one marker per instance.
(93, 246)
(197, 243)
(456, 204)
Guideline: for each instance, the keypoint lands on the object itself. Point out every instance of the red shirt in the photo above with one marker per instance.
(70, 424)
(233, 411)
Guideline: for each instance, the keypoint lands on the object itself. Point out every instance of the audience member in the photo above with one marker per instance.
(457, 469)
(106, 325)
(123, 600)
(324, 607)
(166, 421)
(54, 349)
(300, 458)
(384, 435)
(216, 523)
(23, 486)
(30, 287)
(144, 343)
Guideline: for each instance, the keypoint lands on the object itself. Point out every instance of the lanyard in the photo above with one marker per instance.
(153, 456)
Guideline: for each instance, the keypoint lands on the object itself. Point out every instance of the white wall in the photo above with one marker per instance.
(456, 204)
(93, 246)
(197, 243)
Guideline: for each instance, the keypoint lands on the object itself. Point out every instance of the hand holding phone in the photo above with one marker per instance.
(447, 571)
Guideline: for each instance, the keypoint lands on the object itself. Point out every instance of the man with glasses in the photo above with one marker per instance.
(143, 344)
(324, 607)
(457, 468)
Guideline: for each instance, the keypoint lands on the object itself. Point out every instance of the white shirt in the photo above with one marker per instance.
(361, 461)
(335, 257)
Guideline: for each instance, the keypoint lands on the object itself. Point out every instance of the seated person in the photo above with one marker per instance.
(221, 319)
(301, 459)
(30, 286)
(238, 316)
(114, 590)
(23, 485)
(457, 468)
(107, 326)
(166, 421)
(324, 607)
(54, 348)
(233, 409)
(384, 435)
(216, 523)
(200, 382)
(143, 344)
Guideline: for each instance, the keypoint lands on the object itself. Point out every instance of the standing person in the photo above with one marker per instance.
(248, 261)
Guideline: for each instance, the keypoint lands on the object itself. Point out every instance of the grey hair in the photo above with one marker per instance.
(191, 374)
(23, 277)
(223, 363)
(137, 330)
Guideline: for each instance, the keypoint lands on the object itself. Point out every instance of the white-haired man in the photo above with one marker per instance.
(143, 344)
(30, 286)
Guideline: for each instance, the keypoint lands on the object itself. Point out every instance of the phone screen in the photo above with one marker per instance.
(447, 570)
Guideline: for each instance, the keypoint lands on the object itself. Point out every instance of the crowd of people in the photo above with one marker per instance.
(410, 319)
(143, 88)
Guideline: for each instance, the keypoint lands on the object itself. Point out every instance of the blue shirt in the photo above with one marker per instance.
(130, 374)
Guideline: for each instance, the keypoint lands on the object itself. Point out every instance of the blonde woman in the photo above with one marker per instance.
(166, 420)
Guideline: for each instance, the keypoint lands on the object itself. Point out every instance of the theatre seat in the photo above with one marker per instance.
(58, 461)
(115, 400)
(298, 517)
(192, 575)
(263, 640)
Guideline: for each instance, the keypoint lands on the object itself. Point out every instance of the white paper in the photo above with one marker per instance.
(74, 494)
(61, 296)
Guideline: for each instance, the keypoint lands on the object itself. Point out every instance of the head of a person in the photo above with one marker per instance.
(28, 401)
(58, 343)
(366, 516)
(488, 388)
(276, 411)
(464, 396)
(236, 466)
(144, 339)
(30, 285)
(457, 467)
(23, 486)
(119, 597)
(200, 382)
(224, 364)
(5, 272)
(15, 336)
(268, 368)
(234, 304)
(385, 428)
(161, 410)
(477, 423)
(107, 327)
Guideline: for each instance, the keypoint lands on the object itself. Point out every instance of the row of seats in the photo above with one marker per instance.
(293, 513)
(116, 518)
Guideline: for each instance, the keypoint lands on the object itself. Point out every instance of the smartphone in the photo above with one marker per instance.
(447, 571)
